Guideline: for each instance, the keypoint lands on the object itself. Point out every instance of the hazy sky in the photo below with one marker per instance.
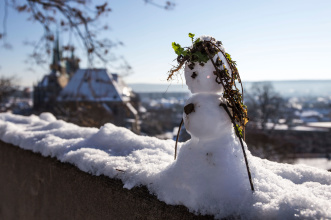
(270, 40)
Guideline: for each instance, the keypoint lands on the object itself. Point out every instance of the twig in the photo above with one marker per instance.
(119, 170)
(242, 145)
(180, 126)
(175, 70)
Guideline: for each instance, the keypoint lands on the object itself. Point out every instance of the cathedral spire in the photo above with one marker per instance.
(57, 56)
(72, 64)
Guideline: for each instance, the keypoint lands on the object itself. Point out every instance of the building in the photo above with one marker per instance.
(99, 97)
(87, 97)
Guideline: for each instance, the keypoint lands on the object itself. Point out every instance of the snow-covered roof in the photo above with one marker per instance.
(320, 124)
(309, 113)
(270, 125)
(44, 82)
(95, 85)
(322, 163)
(282, 191)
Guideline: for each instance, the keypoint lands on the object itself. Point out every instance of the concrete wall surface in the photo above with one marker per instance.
(37, 187)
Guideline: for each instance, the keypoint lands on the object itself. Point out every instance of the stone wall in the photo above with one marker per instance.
(37, 187)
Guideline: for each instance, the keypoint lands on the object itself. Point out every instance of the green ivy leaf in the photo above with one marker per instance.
(177, 48)
(197, 41)
(228, 56)
(240, 130)
(191, 36)
(198, 56)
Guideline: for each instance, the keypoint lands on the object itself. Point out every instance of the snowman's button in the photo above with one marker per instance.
(189, 108)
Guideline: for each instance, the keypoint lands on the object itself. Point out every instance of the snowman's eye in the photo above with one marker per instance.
(189, 108)
(194, 74)
(191, 66)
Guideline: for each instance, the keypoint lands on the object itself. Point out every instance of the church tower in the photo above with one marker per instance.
(72, 64)
(47, 90)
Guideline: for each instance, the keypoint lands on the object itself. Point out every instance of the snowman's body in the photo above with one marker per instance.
(213, 157)
(210, 166)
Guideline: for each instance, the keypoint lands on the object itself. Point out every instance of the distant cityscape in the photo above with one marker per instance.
(299, 88)
(289, 120)
(297, 126)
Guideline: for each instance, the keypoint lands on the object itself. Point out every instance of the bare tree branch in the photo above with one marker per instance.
(7, 87)
(167, 6)
(80, 18)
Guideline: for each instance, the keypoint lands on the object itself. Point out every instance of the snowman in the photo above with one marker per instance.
(215, 155)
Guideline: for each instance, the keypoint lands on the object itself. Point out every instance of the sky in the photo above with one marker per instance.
(270, 40)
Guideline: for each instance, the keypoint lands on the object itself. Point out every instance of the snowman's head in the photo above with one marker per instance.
(204, 118)
(200, 77)
(207, 68)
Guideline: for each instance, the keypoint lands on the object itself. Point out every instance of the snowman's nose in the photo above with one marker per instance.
(189, 108)
(194, 74)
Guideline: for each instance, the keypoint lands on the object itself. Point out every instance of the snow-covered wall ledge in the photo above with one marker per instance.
(36, 187)
(204, 183)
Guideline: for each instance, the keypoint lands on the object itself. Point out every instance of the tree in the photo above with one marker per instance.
(78, 17)
(7, 87)
(264, 105)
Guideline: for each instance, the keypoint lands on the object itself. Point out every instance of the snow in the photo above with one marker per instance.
(320, 124)
(284, 127)
(309, 113)
(215, 184)
(209, 175)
